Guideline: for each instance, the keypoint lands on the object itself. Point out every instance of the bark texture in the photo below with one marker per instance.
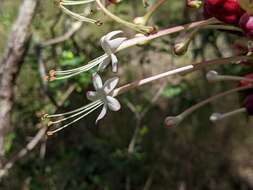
(13, 58)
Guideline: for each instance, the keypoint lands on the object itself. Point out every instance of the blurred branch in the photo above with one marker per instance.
(40, 135)
(73, 29)
(11, 63)
(140, 116)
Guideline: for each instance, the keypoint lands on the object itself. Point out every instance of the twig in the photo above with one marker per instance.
(73, 29)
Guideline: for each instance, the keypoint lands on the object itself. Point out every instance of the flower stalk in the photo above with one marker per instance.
(192, 109)
(220, 116)
(105, 94)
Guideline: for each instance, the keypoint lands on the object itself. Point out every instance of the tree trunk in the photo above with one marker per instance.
(10, 65)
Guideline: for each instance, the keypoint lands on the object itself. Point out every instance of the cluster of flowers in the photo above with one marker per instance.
(231, 12)
(225, 14)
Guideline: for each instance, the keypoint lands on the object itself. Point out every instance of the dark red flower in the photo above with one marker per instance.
(246, 24)
(248, 103)
(228, 11)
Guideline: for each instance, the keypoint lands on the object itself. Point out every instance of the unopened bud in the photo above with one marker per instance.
(183, 41)
(212, 76)
(215, 117)
(172, 121)
(140, 21)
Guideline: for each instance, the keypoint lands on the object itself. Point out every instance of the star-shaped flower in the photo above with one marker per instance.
(103, 93)
(110, 46)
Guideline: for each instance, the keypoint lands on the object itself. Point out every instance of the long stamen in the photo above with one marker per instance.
(70, 112)
(90, 106)
(66, 2)
(59, 75)
(139, 28)
(79, 17)
(51, 132)
(219, 116)
(98, 59)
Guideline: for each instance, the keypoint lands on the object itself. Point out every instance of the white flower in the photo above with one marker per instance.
(110, 46)
(103, 93)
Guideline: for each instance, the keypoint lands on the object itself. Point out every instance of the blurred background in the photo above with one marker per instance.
(130, 149)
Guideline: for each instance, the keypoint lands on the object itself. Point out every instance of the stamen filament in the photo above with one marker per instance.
(73, 111)
(78, 16)
(98, 59)
(76, 114)
(66, 2)
(139, 28)
(63, 127)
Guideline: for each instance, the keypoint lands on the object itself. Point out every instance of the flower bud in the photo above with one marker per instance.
(215, 117)
(212, 76)
(172, 121)
(246, 24)
(183, 41)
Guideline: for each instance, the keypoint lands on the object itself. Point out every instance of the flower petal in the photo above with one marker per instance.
(92, 95)
(105, 45)
(104, 64)
(111, 34)
(114, 63)
(113, 103)
(97, 81)
(114, 44)
(102, 113)
(110, 84)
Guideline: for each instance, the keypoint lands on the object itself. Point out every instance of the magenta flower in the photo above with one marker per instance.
(228, 11)
(246, 24)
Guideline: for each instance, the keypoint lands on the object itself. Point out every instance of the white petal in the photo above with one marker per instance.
(105, 45)
(113, 103)
(110, 84)
(114, 44)
(114, 63)
(111, 34)
(97, 81)
(102, 113)
(104, 64)
(92, 95)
